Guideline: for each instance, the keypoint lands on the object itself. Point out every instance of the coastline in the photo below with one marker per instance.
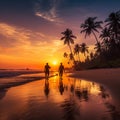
(12, 73)
(13, 84)
(25, 79)
(12, 78)
(108, 77)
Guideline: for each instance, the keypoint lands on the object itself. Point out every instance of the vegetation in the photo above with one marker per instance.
(107, 47)
(91, 26)
(68, 38)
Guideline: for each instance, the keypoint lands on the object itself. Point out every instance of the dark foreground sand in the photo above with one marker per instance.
(108, 77)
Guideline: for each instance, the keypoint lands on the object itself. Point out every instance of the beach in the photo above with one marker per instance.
(108, 77)
(89, 94)
(11, 78)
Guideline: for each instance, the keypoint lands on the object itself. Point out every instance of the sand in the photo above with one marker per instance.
(108, 77)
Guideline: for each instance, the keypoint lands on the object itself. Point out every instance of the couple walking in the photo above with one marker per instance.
(47, 70)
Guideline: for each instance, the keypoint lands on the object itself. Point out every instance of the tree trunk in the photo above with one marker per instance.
(71, 53)
(79, 57)
(95, 37)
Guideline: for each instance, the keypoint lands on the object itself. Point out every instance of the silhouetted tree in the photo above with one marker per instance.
(65, 55)
(91, 56)
(98, 48)
(71, 56)
(105, 36)
(84, 48)
(68, 38)
(113, 23)
(77, 50)
(91, 26)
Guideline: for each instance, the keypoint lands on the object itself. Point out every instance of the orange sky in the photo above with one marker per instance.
(24, 48)
(20, 52)
(30, 31)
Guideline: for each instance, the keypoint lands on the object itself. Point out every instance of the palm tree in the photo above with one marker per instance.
(84, 48)
(106, 37)
(105, 33)
(65, 55)
(98, 48)
(91, 26)
(71, 56)
(113, 23)
(68, 38)
(77, 50)
(91, 55)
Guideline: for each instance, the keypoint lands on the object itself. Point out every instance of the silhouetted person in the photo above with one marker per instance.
(47, 70)
(61, 70)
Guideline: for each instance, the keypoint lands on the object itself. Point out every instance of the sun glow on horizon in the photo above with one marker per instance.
(54, 62)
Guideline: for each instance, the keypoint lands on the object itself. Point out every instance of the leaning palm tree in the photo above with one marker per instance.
(84, 48)
(91, 26)
(113, 23)
(68, 38)
(77, 50)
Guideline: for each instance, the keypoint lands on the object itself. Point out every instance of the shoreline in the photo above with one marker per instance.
(27, 80)
(5, 87)
(108, 77)
(13, 73)
(14, 84)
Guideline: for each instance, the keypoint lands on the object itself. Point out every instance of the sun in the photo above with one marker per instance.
(54, 62)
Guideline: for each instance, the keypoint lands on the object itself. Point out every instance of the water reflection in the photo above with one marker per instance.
(46, 87)
(115, 115)
(111, 109)
(61, 86)
(70, 109)
(82, 95)
(59, 99)
(103, 93)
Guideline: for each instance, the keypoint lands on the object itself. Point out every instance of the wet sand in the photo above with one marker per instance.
(59, 99)
(107, 77)
(17, 78)
(14, 78)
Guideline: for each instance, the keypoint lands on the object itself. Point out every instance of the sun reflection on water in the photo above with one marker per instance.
(59, 98)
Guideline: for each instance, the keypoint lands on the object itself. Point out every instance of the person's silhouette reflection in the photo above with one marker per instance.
(46, 87)
(61, 86)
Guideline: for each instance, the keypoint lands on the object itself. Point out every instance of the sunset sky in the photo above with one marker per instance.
(30, 30)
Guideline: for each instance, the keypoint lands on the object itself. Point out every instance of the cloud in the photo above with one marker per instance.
(47, 10)
(11, 36)
(18, 41)
(21, 42)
